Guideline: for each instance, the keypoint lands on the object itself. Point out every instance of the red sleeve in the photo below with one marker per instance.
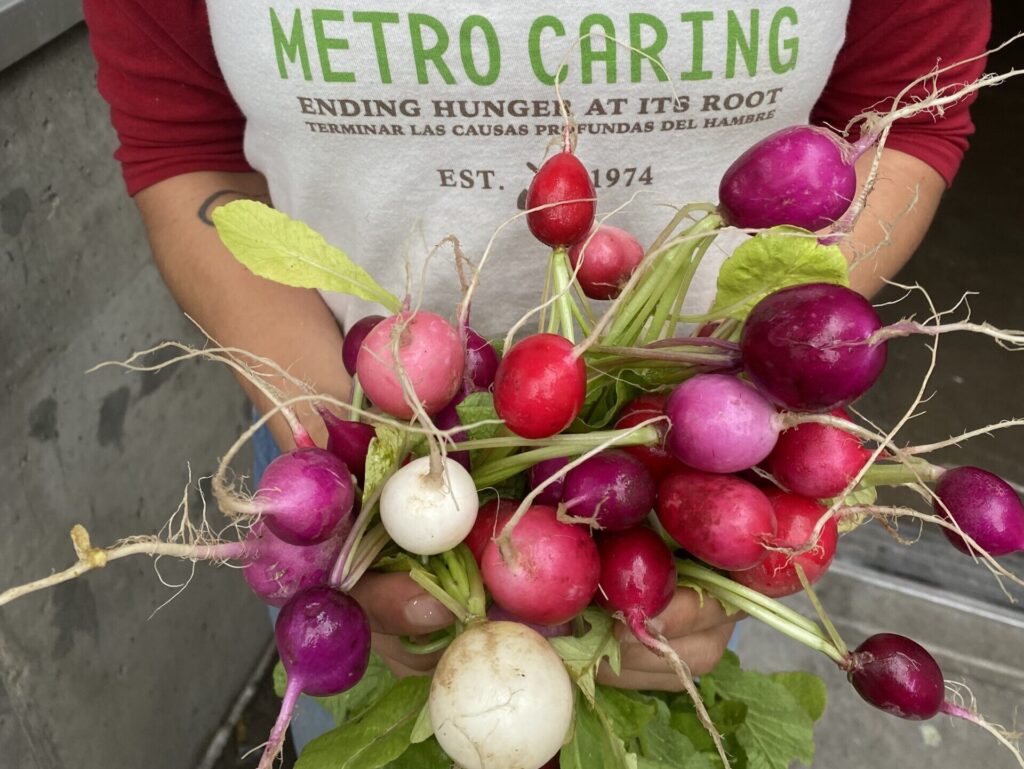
(168, 100)
(888, 44)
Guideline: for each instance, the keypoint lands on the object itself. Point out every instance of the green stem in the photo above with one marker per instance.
(822, 614)
(438, 640)
(457, 569)
(900, 473)
(560, 289)
(357, 398)
(428, 582)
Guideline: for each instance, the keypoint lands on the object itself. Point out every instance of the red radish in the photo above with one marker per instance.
(490, 519)
(354, 340)
(429, 352)
(323, 638)
(540, 472)
(277, 570)
(802, 176)
(552, 573)
(612, 487)
(304, 496)
(898, 676)
(720, 424)
(985, 507)
(805, 347)
(638, 576)
(817, 460)
(796, 517)
(608, 255)
(540, 386)
(562, 178)
(720, 519)
(657, 459)
(349, 441)
(481, 363)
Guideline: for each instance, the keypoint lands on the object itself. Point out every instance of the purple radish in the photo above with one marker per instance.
(446, 419)
(806, 347)
(543, 470)
(898, 676)
(349, 441)
(277, 570)
(481, 363)
(720, 424)
(323, 637)
(985, 507)
(801, 176)
(609, 259)
(304, 496)
(638, 577)
(721, 519)
(354, 340)
(612, 487)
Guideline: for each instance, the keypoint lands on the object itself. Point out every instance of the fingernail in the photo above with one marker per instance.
(426, 612)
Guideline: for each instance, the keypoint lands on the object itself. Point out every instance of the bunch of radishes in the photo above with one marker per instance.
(646, 461)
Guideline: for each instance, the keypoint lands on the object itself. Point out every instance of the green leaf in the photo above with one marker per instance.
(274, 246)
(422, 755)
(772, 260)
(583, 655)
(381, 735)
(628, 712)
(807, 689)
(375, 682)
(594, 743)
(662, 746)
(423, 729)
(382, 456)
(477, 407)
(862, 495)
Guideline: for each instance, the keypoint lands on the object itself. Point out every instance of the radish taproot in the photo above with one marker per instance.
(720, 519)
(565, 181)
(430, 355)
(612, 487)
(428, 509)
(984, 506)
(500, 698)
(552, 570)
(323, 638)
(540, 386)
(604, 261)
(304, 495)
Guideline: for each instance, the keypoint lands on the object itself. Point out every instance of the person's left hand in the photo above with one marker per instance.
(697, 629)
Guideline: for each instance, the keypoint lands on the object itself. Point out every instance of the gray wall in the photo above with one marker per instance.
(88, 679)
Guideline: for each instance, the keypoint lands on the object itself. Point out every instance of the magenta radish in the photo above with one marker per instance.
(638, 576)
(805, 347)
(448, 418)
(354, 340)
(323, 638)
(657, 459)
(304, 496)
(605, 260)
(612, 487)
(481, 363)
(720, 519)
(540, 386)
(490, 519)
(500, 698)
(720, 424)
(562, 178)
(540, 472)
(349, 441)
(817, 460)
(552, 570)
(426, 509)
(277, 570)
(897, 675)
(795, 517)
(497, 614)
(985, 507)
(430, 354)
(801, 176)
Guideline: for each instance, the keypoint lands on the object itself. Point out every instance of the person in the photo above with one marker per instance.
(390, 127)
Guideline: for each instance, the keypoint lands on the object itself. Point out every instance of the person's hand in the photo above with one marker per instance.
(698, 632)
(397, 606)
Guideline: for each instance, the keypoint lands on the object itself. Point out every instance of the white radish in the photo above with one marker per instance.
(500, 698)
(428, 511)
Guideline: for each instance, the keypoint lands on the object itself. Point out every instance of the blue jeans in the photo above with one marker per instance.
(310, 720)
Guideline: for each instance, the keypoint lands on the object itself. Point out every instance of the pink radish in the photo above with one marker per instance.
(605, 260)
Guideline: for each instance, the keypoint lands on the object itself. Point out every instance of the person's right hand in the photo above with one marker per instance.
(397, 606)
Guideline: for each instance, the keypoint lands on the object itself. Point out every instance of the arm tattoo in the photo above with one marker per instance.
(209, 204)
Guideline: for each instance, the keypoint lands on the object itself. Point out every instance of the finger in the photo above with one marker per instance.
(700, 651)
(399, 660)
(688, 612)
(396, 605)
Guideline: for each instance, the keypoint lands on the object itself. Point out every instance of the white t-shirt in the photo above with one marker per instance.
(389, 129)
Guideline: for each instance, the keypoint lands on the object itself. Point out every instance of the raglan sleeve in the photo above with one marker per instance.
(169, 104)
(890, 43)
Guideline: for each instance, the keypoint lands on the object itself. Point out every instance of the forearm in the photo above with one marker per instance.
(898, 213)
(290, 326)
